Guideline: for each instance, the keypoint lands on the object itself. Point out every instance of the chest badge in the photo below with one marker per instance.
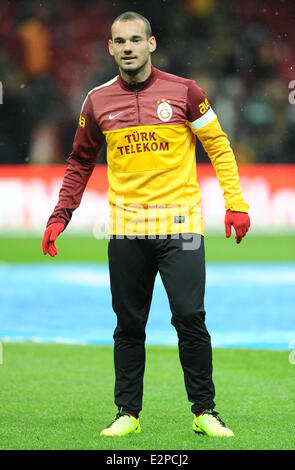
(164, 110)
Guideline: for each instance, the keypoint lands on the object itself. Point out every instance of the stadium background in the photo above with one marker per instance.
(242, 53)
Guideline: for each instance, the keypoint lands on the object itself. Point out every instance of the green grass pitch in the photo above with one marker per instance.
(57, 396)
(89, 249)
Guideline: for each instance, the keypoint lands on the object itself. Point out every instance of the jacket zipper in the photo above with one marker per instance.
(137, 105)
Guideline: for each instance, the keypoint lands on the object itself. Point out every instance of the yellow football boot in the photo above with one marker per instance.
(122, 425)
(210, 424)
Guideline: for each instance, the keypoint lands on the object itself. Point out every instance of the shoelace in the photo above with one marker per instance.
(118, 416)
(215, 415)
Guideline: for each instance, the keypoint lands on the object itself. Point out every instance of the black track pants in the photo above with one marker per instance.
(133, 265)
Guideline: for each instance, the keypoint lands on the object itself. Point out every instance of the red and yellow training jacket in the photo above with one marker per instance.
(150, 129)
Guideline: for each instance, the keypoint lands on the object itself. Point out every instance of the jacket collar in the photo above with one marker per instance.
(141, 85)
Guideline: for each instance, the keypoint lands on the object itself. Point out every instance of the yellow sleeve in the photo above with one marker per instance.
(217, 146)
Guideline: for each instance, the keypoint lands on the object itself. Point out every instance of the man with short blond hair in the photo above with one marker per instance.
(150, 120)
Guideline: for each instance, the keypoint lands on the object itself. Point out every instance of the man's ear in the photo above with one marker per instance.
(152, 44)
(110, 44)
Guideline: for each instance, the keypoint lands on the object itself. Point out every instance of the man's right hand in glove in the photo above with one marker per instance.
(50, 235)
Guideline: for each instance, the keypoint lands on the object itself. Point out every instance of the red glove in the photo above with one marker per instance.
(50, 235)
(240, 221)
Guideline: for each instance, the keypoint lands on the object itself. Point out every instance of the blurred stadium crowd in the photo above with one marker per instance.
(241, 52)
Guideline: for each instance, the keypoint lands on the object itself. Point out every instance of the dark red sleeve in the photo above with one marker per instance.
(81, 162)
(197, 103)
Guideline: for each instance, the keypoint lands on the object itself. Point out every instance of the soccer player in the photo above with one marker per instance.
(150, 120)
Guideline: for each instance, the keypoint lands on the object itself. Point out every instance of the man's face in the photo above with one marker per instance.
(130, 46)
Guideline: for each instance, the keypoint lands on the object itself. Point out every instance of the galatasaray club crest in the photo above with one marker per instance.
(164, 110)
